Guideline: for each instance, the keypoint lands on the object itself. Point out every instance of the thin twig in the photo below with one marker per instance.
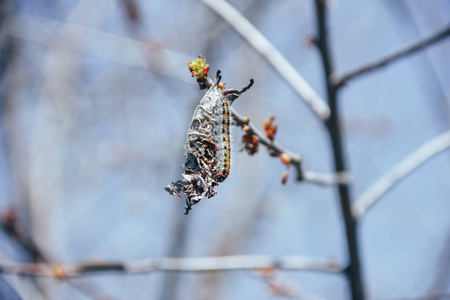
(200, 264)
(415, 47)
(400, 171)
(296, 159)
(271, 54)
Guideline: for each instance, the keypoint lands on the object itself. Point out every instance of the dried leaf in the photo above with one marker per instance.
(251, 143)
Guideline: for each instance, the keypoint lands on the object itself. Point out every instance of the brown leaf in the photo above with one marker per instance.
(251, 143)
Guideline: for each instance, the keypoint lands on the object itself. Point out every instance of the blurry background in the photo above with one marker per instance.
(96, 99)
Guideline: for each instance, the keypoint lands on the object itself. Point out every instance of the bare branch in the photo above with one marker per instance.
(415, 47)
(271, 54)
(9, 225)
(400, 171)
(200, 264)
(296, 159)
(353, 272)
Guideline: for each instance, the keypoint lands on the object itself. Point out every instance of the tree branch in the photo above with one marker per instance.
(296, 159)
(200, 264)
(415, 47)
(153, 57)
(9, 224)
(353, 272)
(271, 54)
(400, 171)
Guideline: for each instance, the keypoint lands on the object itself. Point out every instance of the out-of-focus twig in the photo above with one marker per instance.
(410, 49)
(131, 10)
(200, 264)
(148, 56)
(432, 296)
(10, 225)
(296, 159)
(400, 171)
(271, 54)
(327, 179)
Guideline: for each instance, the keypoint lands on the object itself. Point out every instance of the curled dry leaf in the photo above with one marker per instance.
(270, 128)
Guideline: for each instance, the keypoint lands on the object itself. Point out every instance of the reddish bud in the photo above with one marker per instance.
(285, 158)
(284, 178)
(270, 128)
(59, 272)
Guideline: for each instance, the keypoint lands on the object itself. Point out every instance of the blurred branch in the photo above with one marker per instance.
(9, 225)
(132, 10)
(296, 159)
(342, 177)
(400, 171)
(201, 264)
(271, 54)
(415, 47)
(142, 55)
(431, 296)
